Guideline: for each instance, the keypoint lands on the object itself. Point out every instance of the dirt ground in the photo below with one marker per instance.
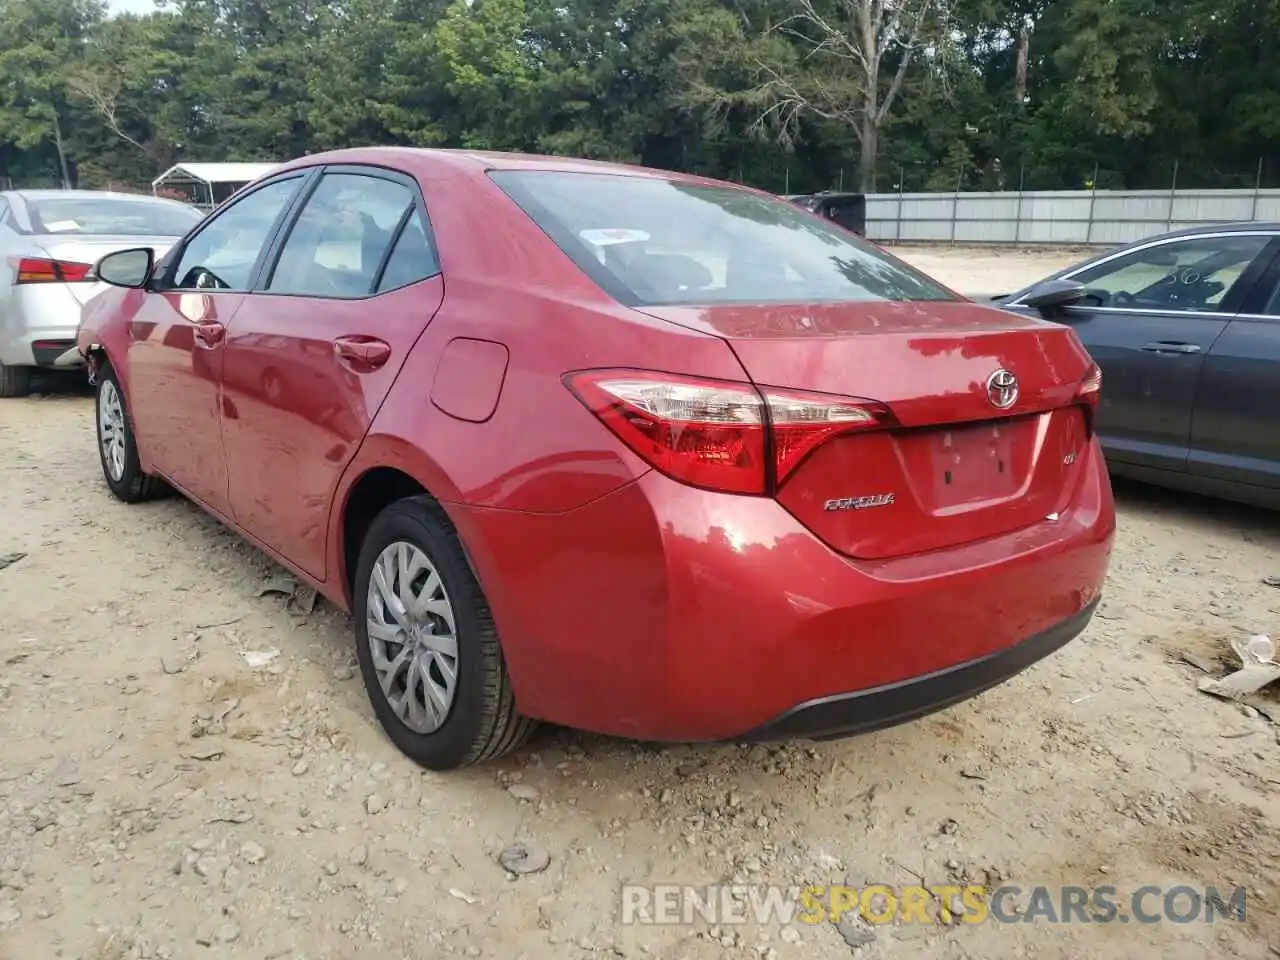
(160, 797)
(992, 271)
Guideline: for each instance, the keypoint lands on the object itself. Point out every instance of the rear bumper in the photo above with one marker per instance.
(661, 612)
(52, 349)
(56, 353)
(38, 327)
(830, 718)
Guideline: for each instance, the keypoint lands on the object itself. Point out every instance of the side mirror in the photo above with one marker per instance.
(1052, 295)
(126, 268)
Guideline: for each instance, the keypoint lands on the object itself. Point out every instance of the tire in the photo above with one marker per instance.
(14, 381)
(480, 721)
(124, 475)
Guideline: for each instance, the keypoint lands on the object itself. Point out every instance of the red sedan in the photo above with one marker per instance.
(616, 448)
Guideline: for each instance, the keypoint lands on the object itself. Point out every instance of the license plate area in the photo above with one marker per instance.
(976, 462)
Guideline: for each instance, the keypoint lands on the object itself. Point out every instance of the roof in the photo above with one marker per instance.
(477, 161)
(1230, 226)
(497, 160)
(218, 172)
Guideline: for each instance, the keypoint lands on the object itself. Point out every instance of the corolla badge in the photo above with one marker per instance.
(1002, 389)
(859, 503)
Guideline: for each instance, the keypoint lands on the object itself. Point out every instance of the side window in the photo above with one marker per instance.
(222, 255)
(1194, 274)
(1272, 309)
(341, 236)
(412, 259)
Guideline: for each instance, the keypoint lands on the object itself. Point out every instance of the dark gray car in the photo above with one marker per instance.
(1186, 329)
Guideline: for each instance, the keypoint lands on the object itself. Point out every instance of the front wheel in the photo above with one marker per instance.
(428, 650)
(116, 447)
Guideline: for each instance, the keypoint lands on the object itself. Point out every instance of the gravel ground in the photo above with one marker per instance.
(160, 797)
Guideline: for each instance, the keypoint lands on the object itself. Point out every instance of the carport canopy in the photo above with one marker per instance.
(208, 184)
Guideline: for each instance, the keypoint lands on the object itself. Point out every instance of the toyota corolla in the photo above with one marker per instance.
(615, 448)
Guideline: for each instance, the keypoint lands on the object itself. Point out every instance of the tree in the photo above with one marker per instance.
(126, 80)
(246, 89)
(848, 64)
(39, 41)
(782, 94)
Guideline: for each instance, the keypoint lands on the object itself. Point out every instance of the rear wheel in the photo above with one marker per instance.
(116, 447)
(428, 650)
(14, 381)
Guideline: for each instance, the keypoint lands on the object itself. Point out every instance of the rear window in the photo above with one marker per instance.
(106, 216)
(652, 242)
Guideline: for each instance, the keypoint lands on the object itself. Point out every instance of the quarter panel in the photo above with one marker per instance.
(541, 450)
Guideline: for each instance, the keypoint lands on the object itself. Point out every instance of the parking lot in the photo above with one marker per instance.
(189, 767)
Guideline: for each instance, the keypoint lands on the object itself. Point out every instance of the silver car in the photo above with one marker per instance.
(49, 241)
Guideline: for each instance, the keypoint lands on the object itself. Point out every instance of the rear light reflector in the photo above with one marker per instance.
(37, 270)
(716, 434)
(1091, 385)
(1089, 393)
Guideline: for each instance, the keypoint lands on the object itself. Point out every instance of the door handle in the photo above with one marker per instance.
(1171, 346)
(363, 353)
(210, 333)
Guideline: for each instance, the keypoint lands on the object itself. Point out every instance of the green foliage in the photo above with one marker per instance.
(772, 92)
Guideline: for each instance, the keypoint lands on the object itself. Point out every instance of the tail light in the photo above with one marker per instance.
(1089, 392)
(716, 434)
(36, 270)
(1091, 385)
(801, 422)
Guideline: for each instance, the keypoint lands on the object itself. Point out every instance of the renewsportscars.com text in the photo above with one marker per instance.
(881, 904)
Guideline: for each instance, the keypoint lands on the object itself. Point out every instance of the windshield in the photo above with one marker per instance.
(112, 216)
(649, 242)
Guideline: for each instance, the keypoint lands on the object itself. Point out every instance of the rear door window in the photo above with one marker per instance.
(412, 259)
(1272, 309)
(342, 236)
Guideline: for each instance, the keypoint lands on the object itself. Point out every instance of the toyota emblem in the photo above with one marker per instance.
(1002, 389)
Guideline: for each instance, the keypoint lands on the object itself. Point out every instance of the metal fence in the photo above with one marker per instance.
(1067, 217)
(1015, 217)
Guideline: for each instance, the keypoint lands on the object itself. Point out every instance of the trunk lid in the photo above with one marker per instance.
(91, 249)
(957, 468)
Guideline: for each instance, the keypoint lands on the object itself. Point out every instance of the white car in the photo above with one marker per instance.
(49, 241)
